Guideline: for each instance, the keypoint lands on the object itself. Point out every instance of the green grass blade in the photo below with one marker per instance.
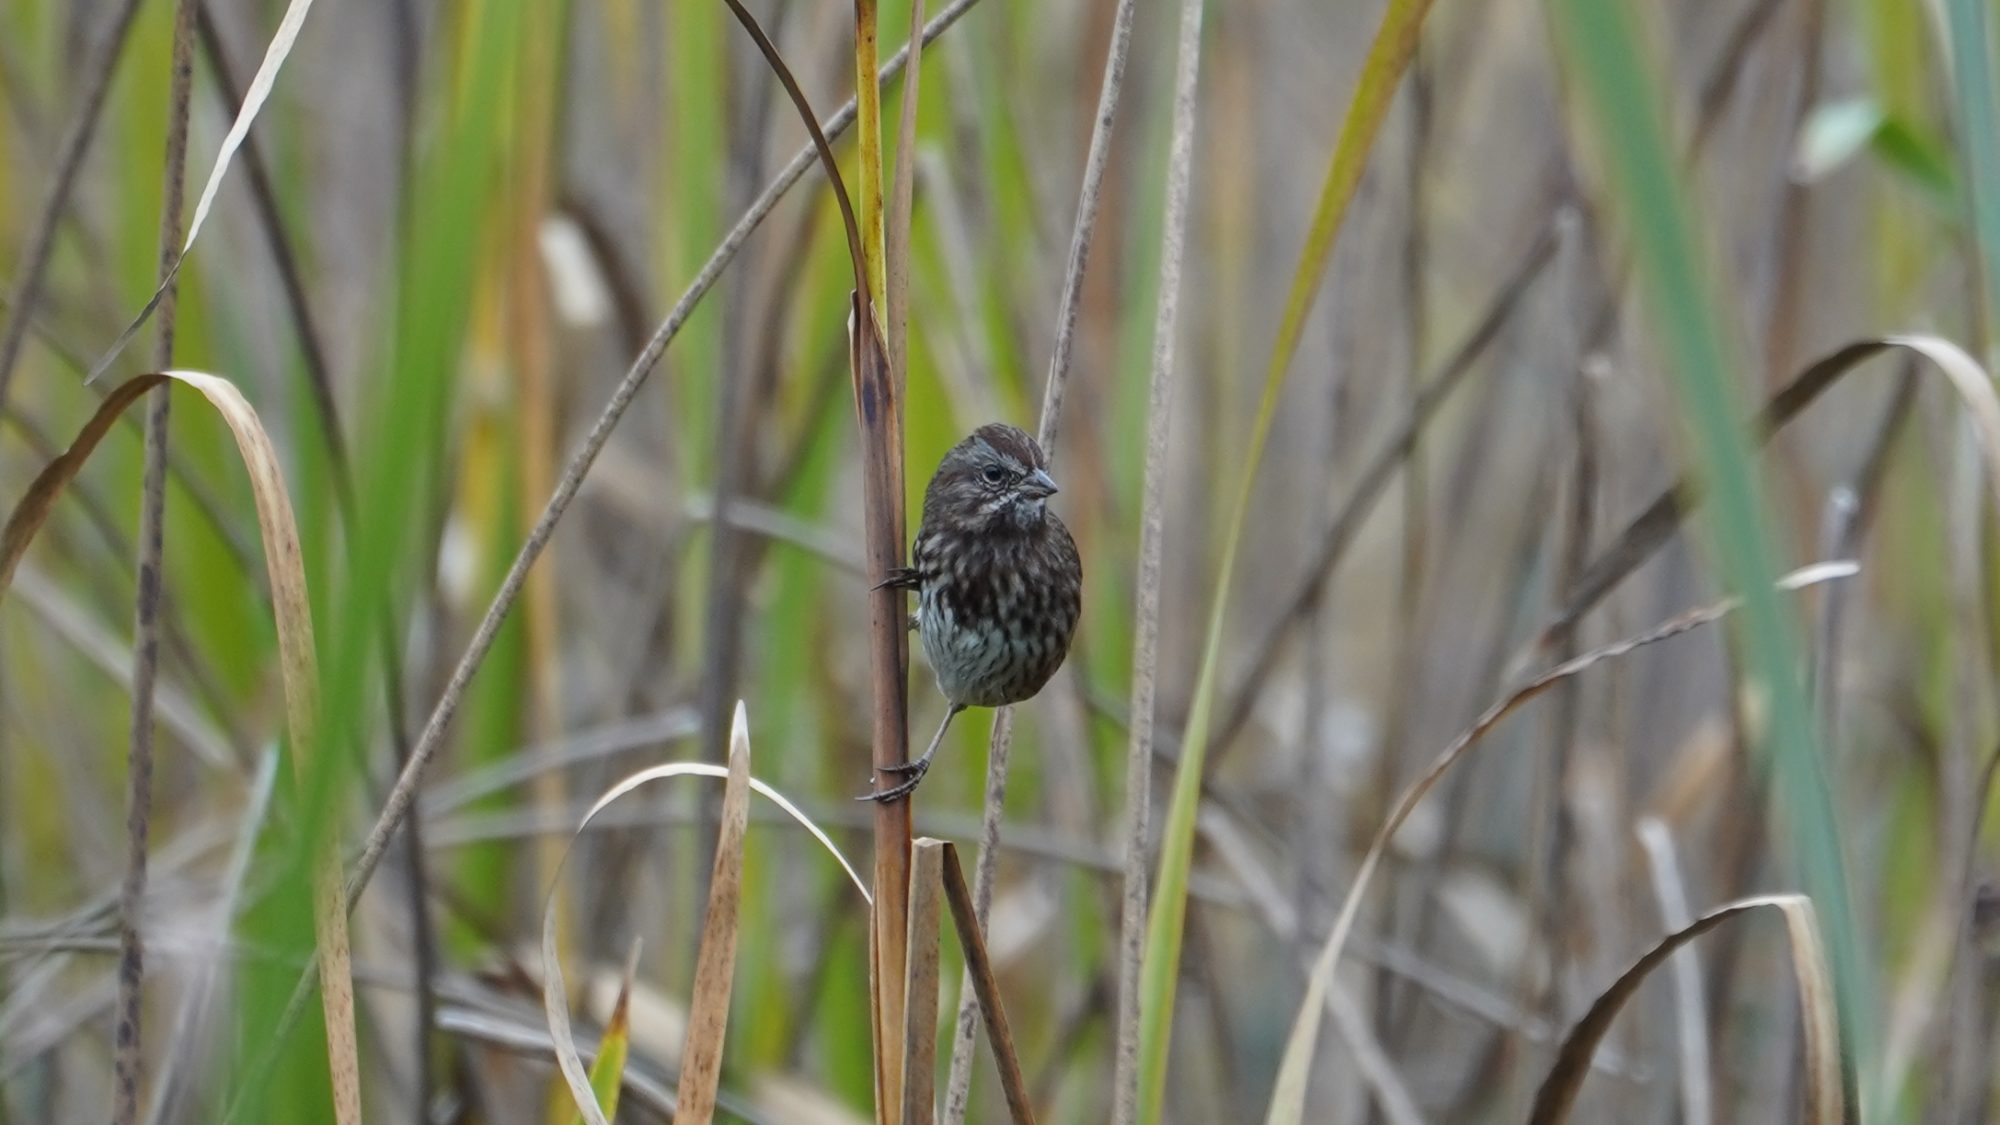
(1972, 90)
(1621, 88)
(868, 143)
(1395, 41)
(404, 439)
(607, 1073)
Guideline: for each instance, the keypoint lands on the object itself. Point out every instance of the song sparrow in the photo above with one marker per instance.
(998, 581)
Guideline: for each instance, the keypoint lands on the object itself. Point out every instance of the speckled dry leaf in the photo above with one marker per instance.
(708, 1011)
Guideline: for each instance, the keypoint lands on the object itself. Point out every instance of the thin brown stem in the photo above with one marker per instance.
(1137, 830)
(1408, 658)
(958, 1088)
(980, 967)
(1656, 523)
(129, 1053)
(1000, 747)
(1374, 481)
(1086, 222)
(27, 291)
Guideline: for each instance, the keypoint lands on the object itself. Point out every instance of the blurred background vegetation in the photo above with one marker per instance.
(457, 223)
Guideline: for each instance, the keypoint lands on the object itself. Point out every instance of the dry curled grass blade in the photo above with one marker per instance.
(1822, 1090)
(1288, 1096)
(297, 664)
(1655, 525)
(35, 505)
(555, 993)
(708, 1011)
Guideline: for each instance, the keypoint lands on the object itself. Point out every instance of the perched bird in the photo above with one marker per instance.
(997, 577)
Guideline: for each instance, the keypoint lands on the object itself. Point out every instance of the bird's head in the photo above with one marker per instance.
(995, 480)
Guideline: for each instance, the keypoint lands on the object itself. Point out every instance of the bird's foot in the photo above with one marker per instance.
(912, 774)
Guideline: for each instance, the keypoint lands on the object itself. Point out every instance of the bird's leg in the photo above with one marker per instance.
(913, 771)
(923, 763)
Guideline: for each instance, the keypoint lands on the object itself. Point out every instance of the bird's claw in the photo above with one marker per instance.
(913, 772)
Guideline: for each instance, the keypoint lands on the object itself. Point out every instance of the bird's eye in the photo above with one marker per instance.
(994, 474)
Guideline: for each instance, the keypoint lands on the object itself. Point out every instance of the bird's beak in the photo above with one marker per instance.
(1039, 483)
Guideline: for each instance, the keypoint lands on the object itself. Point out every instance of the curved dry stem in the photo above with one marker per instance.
(1824, 1097)
(1288, 1096)
(1655, 525)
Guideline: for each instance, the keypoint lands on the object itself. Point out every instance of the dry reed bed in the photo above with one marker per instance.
(1528, 347)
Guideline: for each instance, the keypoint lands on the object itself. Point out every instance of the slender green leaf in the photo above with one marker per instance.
(607, 1071)
(1620, 87)
(1395, 41)
(1979, 144)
